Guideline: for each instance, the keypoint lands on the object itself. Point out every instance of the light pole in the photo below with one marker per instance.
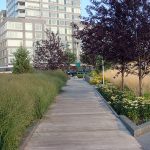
(103, 70)
(78, 53)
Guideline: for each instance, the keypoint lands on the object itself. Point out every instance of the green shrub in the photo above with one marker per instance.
(24, 98)
(96, 77)
(80, 75)
(126, 103)
(21, 62)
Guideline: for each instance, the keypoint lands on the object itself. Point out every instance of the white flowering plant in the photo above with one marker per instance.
(126, 103)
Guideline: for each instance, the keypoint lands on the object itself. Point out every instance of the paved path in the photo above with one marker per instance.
(144, 140)
(80, 120)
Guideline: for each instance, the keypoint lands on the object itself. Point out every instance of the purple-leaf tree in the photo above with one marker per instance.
(49, 52)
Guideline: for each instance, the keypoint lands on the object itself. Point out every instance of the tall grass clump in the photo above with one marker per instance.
(23, 99)
(131, 81)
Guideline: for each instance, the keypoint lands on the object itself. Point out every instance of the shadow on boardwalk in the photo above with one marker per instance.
(80, 120)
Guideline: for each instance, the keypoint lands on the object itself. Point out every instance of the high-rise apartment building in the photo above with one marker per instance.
(55, 15)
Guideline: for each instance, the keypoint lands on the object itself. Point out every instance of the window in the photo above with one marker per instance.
(53, 1)
(34, 0)
(76, 3)
(28, 26)
(62, 30)
(45, 6)
(61, 22)
(68, 9)
(68, 16)
(61, 16)
(76, 17)
(54, 8)
(12, 34)
(61, 1)
(29, 44)
(77, 10)
(46, 1)
(53, 15)
(35, 13)
(11, 51)
(29, 35)
(38, 35)
(53, 22)
(69, 31)
(14, 25)
(10, 60)
(63, 38)
(15, 43)
(69, 2)
(5, 60)
(62, 8)
(69, 38)
(68, 23)
(38, 27)
(45, 14)
(32, 5)
(54, 29)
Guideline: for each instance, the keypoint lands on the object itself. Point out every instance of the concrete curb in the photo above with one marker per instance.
(113, 111)
(135, 130)
(87, 78)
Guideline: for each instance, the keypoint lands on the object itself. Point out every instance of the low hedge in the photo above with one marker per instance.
(126, 103)
(80, 75)
(23, 99)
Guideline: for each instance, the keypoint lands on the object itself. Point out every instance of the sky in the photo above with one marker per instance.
(84, 3)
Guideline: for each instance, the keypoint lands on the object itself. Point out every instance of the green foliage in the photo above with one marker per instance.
(21, 62)
(48, 54)
(80, 75)
(70, 57)
(24, 98)
(96, 77)
(107, 65)
(126, 103)
(146, 95)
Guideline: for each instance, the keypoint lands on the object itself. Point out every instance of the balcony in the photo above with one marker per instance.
(17, 1)
(21, 15)
(20, 7)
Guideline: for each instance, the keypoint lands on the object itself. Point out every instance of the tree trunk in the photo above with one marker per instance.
(140, 76)
(122, 78)
(140, 82)
(103, 70)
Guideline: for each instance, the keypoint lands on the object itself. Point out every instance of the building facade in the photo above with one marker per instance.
(18, 32)
(55, 15)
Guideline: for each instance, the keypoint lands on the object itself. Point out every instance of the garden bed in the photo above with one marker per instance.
(126, 103)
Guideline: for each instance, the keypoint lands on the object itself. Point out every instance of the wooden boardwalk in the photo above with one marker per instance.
(80, 120)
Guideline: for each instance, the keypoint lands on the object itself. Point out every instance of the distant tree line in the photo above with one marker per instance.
(119, 32)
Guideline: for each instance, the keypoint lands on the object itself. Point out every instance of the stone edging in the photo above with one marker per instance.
(87, 78)
(113, 111)
(135, 130)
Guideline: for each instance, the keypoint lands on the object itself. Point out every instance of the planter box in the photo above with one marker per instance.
(135, 130)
